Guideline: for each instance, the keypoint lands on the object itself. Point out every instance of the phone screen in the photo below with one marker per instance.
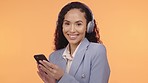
(39, 57)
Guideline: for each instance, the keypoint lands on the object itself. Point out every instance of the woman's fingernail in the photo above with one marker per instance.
(44, 61)
(40, 61)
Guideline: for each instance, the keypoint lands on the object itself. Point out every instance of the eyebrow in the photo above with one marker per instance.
(76, 21)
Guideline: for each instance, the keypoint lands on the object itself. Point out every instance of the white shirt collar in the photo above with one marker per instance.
(66, 54)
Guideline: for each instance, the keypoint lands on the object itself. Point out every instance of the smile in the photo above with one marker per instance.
(73, 36)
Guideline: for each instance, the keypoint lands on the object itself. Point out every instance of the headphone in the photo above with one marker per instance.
(91, 24)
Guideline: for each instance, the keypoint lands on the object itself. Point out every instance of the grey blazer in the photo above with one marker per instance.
(90, 64)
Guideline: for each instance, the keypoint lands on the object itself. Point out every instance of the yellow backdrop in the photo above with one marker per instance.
(27, 28)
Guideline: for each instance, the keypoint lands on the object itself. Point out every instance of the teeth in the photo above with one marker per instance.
(72, 36)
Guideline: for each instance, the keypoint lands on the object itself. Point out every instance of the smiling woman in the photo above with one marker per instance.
(79, 56)
(27, 27)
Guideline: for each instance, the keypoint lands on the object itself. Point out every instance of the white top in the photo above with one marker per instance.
(66, 56)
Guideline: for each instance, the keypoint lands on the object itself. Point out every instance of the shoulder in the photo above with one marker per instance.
(96, 50)
(56, 54)
(98, 47)
(57, 51)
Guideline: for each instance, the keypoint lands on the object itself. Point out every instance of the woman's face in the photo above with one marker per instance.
(74, 26)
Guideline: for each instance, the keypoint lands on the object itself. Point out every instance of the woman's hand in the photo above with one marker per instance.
(47, 78)
(51, 69)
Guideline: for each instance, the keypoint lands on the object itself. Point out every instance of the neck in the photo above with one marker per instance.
(72, 48)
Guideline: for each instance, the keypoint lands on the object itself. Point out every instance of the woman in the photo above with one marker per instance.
(79, 55)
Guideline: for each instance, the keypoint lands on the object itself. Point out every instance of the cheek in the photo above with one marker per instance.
(82, 30)
(65, 29)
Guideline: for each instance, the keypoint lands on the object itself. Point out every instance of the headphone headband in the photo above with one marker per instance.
(91, 24)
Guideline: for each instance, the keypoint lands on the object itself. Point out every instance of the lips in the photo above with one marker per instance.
(73, 36)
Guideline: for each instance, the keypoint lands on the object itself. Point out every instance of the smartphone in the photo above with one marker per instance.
(39, 57)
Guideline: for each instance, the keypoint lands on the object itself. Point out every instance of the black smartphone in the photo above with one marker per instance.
(40, 57)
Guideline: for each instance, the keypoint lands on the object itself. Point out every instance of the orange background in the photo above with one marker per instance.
(27, 28)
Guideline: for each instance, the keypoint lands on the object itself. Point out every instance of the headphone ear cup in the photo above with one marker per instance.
(90, 26)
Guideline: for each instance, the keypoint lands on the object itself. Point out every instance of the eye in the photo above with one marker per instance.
(66, 23)
(79, 24)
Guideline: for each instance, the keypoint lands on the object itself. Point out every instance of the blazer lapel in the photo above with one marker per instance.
(79, 57)
(60, 60)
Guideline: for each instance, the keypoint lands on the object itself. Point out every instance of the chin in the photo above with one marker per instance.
(74, 42)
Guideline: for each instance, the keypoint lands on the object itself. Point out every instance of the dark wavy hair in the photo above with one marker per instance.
(60, 41)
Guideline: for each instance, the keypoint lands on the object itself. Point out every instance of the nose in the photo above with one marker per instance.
(72, 29)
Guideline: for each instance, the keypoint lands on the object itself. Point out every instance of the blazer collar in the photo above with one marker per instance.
(79, 57)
